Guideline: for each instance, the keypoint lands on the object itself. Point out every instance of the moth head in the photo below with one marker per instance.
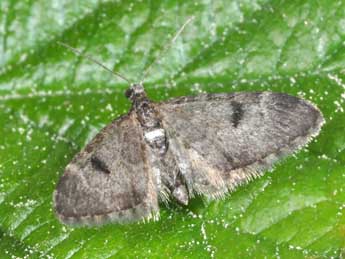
(135, 91)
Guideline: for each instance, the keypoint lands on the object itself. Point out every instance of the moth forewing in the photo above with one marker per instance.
(223, 148)
(86, 194)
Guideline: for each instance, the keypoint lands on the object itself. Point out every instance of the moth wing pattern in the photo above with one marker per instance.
(109, 180)
(224, 140)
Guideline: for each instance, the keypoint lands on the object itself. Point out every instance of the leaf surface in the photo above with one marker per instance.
(52, 102)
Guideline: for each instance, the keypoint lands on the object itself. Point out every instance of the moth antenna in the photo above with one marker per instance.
(78, 52)
(165, 48)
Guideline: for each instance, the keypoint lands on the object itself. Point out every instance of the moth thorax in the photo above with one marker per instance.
(156, 139)
(147, 115)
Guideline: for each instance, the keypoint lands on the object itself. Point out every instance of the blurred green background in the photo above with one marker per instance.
(52, 102)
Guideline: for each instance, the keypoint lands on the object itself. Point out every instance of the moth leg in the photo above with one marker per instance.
(174, 183)
(180, 192)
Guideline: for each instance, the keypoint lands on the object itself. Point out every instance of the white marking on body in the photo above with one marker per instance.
(154, 134)
(157, 174)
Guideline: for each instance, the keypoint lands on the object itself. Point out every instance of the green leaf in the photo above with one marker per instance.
(52, 102)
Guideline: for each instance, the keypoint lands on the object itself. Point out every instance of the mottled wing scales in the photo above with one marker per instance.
(224, 140)
(110, 180)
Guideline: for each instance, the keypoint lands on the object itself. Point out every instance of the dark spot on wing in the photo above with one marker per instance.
(237, 113)
(99, 165)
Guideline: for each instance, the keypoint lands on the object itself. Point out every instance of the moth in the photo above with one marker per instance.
(207, 145)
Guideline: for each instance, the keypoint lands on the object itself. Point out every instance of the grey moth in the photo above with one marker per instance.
(207, 145)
